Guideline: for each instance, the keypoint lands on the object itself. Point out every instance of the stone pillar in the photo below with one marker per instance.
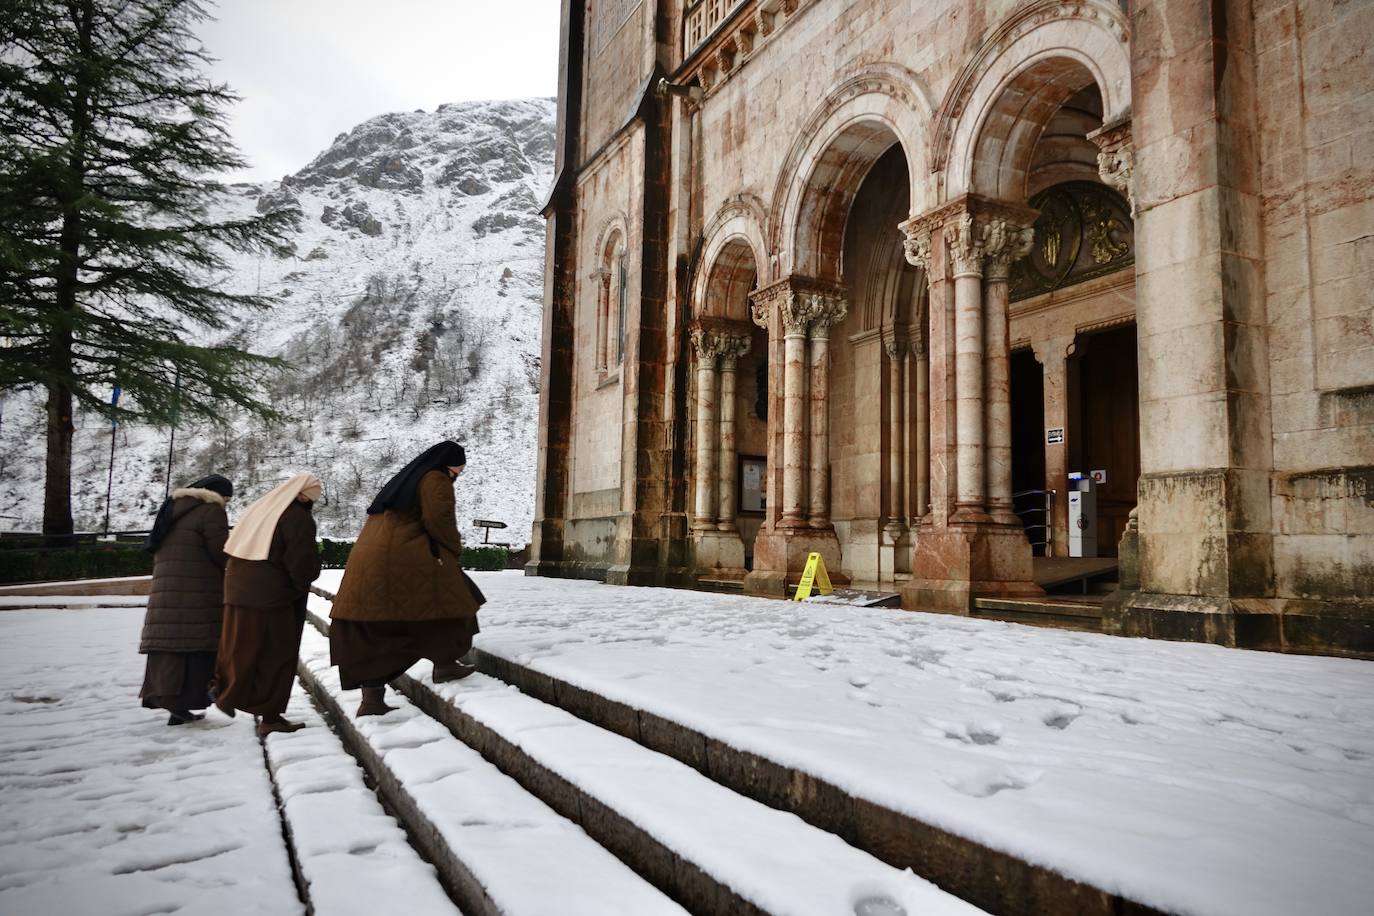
(707, 347)
(734, 347)
(1053, 355)
(961, 554)
(825, 310)
(1006, 243)
(922, 411)
(897, 353)
(795, 320)
(967, 251)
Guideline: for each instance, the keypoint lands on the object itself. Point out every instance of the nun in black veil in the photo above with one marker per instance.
(404, 594)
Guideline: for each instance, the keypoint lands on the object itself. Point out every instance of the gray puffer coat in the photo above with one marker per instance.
(186, 603)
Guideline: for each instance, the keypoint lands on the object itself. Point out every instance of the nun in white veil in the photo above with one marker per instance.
(273, 558)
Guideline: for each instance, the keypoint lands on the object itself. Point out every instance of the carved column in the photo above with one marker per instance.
(1005, 243)
(706, 344)
(967, 251)
(917, 250)
(922, 400)
(795, 316)
(733, 347)
(602, 278)
(825, 310)
(896, 354)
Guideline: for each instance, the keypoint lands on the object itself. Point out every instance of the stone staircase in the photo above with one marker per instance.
(702, 826)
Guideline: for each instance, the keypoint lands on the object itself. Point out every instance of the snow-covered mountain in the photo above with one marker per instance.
(410, 311)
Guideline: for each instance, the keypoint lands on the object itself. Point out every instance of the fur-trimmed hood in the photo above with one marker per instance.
(208, 496)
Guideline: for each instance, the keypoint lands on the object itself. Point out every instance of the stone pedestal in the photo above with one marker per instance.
(780, 557)
(961, 561)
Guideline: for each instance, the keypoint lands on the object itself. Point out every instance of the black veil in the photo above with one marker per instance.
(400, 491)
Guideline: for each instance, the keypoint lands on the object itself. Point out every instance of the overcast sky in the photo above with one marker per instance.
(308, 70)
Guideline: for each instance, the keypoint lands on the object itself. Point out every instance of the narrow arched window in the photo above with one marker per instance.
(623, 300)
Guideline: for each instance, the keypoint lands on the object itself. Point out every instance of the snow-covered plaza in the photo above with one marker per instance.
(1182, 777)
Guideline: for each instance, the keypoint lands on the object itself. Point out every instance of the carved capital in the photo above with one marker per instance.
(1005, 243)
(826, 309)
(1116, 158)
(763, 301)
(706, 346)
(894, 347)
(714, 338)
(966, 246)
(916, 246)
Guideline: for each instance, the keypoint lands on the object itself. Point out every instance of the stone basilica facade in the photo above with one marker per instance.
(887, 280)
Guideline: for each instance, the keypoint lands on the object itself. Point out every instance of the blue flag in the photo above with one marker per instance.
(114, 402)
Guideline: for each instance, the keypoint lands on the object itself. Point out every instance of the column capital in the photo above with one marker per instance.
(966, 246)
(803, 304)
(1116, 158)
(714, 338)
(895, 347)
(826, 310)
(1005, 242)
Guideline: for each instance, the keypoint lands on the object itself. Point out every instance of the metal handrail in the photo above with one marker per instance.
(1046, 511)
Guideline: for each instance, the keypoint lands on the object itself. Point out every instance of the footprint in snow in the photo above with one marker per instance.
(1061, 716)
(984, 782)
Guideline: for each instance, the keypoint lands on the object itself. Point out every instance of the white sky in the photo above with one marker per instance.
(308, 70)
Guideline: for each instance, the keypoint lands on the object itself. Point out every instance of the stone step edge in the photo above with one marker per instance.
(646, 855)
(303, 866)
(298, 876)
(1041, 608)
(988, 878)
(457, 879)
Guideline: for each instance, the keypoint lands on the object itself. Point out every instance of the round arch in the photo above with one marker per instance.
(734, 252)
(1035, 62)
(860, 120)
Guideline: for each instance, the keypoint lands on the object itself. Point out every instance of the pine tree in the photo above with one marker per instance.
(110, 135)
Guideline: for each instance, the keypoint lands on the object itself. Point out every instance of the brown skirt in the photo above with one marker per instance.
(177, 680)
(258, 648)
(371, 652)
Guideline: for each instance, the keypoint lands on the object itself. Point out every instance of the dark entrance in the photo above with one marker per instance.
(1108, 431)
(1028, 447)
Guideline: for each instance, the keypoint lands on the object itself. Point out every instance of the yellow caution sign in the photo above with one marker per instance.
(813, 576)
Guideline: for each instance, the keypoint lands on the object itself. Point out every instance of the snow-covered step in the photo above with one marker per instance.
(351, 856)
(992, 879)
(499, 849)
(713, 849)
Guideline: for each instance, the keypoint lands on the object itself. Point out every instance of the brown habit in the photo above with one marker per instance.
(404, 594)
(264, 612)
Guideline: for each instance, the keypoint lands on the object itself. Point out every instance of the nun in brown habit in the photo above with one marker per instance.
(273, 558)
(404, 594)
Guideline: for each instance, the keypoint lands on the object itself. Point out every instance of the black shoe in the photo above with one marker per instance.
(183, 717)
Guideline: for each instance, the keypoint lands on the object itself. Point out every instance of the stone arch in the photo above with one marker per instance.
(608, 284)
(734, 255)
(1040, 57)
(613, 234)
(860, 119)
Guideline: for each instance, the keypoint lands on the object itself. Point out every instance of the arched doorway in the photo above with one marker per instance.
(728, 435)
(877, 375)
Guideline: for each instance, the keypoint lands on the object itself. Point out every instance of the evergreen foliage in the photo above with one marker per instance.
(109, 133)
